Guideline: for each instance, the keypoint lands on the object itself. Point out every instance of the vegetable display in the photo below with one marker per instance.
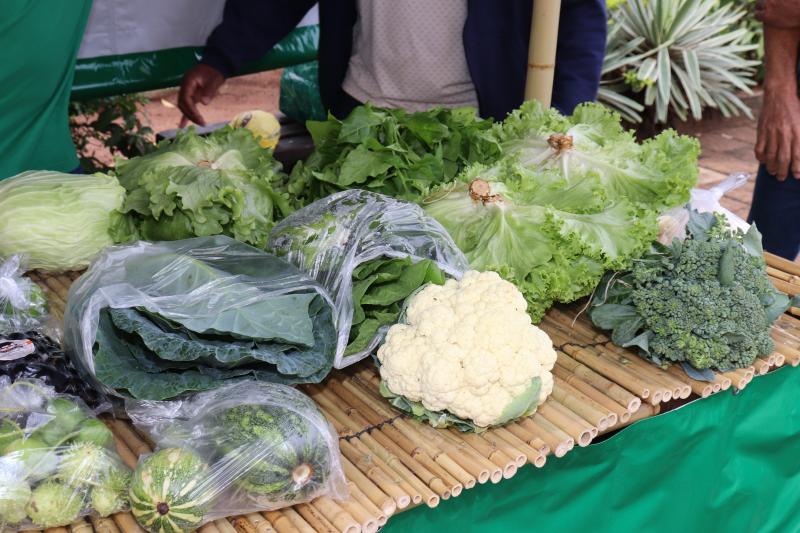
(705, 301)
(23, 305)
(152, 321)
(571, 198)
(224, 183)
(59, 221)
(370, 252)
(57, 462)
(242, 448)
(466, 354)
(391, 151)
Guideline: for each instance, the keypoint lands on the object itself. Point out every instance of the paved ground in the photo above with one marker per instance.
(727, 144)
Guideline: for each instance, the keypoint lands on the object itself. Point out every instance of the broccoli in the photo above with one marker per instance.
(706, 301)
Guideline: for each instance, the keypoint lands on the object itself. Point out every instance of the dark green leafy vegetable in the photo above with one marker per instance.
(380, 287)
(391, 151)
(192, 315)
(706, 301)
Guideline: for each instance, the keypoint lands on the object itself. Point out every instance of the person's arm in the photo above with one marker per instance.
(249, 29)
(778, 141)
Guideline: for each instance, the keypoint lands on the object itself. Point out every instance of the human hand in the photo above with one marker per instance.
(778, 141)
(778, 13)
(199, 85)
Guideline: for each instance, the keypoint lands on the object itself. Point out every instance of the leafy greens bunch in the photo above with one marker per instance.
(571, 198)
(370, 252)
(152, 321)
(391, 151)
(224, 183)
(705, 301)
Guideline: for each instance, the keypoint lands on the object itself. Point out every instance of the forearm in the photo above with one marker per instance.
(249, 29)
(781, 54)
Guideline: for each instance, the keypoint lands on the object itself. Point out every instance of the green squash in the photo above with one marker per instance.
(290, 455)
(166, 493)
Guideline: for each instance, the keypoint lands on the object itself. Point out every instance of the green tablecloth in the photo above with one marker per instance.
(727, 463)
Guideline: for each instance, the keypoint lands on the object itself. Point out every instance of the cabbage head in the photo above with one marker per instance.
(225, 183)
(59, 221)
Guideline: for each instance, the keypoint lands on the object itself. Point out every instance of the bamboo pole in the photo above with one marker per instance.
(761, 366)
(613, 371)
(281, 522)
(367, 465)
(126, 433)
(738, 381)
(532, 454)
(337, 516)
(253, 523)
(382, 500)
(581, 433)
(208, 528)
(368, 522)
(542, 51)
(367, 444)
(507, 464)
(660, 391)
(570, 379)
(250, 524)
(315, 518)
(786, 287)
(583, 405)
(704, 389)
(126, 523)
(103, 525)
(357, 495)
(723, 381)
(225, 527)
(299, 522)
(614, 391)
(436, 460)
(679, 388)
(529, 437)
(782, 264)
(556, 439)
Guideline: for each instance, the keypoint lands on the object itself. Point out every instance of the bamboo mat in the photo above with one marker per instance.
(393, 463)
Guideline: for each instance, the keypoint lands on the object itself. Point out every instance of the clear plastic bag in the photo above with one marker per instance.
(57, 461)
(23, 306)
(331, 237)
(672, 224)
(155, 320)
(243, 448)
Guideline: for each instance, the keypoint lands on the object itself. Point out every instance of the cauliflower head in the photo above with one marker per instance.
(469, 347)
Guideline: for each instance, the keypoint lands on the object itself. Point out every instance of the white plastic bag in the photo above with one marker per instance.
(23, 306)
(155, 320)
(243, 448)
(672, 224)
(57, 461)
(331, 237)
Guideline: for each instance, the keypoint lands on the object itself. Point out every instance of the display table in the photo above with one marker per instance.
(725, 461)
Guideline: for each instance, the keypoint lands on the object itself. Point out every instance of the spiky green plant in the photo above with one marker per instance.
(670, 58)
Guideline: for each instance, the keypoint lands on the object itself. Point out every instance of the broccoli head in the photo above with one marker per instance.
(706, 301)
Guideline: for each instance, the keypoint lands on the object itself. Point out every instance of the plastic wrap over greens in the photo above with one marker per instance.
(57, 461)
(154, 320)
(243, 448)
(371, 252)
(23, 306)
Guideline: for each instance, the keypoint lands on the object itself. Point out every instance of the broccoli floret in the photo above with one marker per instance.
(694, 311)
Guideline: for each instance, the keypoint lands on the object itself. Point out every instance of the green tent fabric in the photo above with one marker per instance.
(39, 42)
(726, 463)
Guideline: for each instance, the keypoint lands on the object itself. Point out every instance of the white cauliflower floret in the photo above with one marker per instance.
(469, 347)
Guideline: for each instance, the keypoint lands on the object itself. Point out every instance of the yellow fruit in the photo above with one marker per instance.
(265, 127)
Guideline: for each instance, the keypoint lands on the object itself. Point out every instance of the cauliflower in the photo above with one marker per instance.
(468, 347)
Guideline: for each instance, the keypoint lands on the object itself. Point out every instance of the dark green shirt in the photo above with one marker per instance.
(39, 41)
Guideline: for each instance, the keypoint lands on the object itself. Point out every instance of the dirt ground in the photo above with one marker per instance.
(243, 93)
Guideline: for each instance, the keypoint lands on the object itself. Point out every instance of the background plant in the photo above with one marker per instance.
(668, 58)
(104, 128)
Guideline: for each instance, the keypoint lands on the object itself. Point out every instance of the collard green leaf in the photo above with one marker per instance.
(610, 316)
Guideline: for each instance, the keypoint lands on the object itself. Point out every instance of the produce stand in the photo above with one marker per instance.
(394, 464)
